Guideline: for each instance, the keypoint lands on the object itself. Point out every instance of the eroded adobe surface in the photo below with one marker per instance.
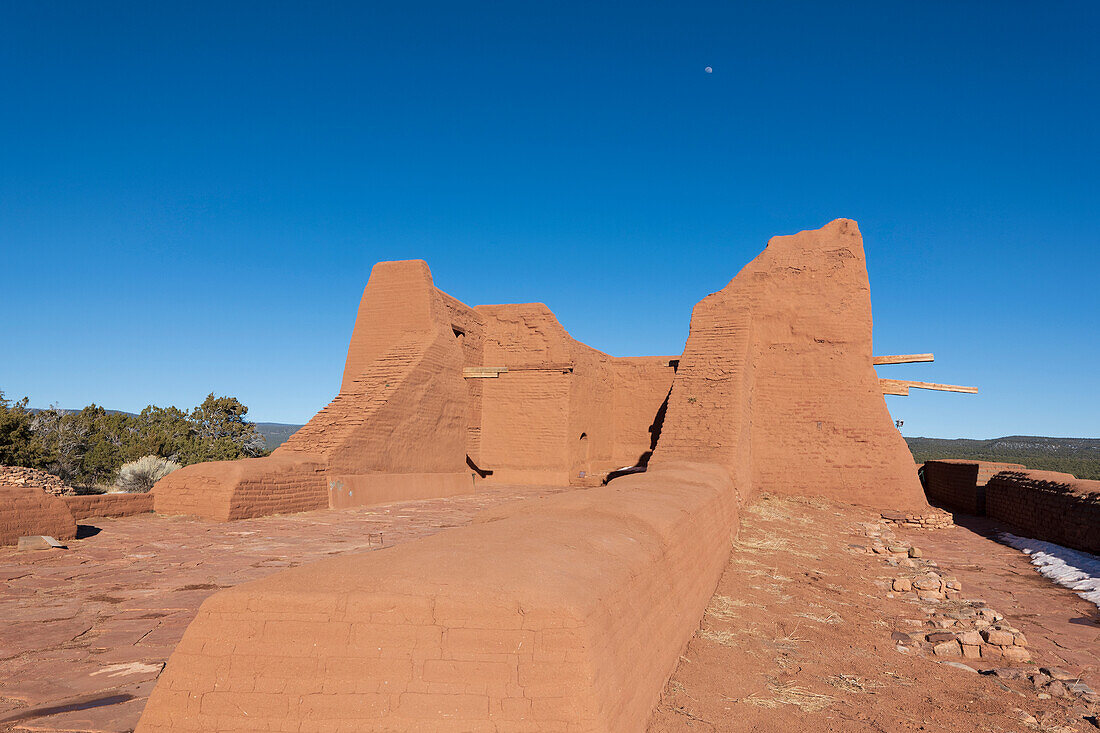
(569, 613)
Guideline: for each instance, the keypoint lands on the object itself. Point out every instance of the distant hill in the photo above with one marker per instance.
(276, 433)
(1079, 456)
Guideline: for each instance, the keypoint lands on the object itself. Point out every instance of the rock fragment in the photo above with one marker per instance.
(947, 649)
(998, 637)
(970, 638)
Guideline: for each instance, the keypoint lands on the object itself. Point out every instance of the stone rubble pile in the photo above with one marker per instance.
(1050, 682)
(932, 520)
(22, 476)
(967, 629)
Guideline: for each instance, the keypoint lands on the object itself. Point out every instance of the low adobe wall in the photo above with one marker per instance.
(253, 487)
(108, 505)
(26, 511)
(1046, 505)
(960, 485)
(566, 613)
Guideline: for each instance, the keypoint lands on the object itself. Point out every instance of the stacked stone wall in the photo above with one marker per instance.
(277, 484)
(23, 476)
(1050, 506)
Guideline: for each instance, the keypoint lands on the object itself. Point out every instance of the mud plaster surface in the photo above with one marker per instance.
(94, 624)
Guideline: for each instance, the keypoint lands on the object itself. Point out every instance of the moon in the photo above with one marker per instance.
(709, 70)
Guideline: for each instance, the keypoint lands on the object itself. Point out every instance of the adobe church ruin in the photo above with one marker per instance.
(566, 613)
(435, 392)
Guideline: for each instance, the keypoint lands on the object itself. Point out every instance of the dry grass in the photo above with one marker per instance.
(771, 508)
(724, 638)
(832, 618)
(791, 694)
(766, 542)
(851, 683)
(792, 636)
(724, 607)
(772, 542)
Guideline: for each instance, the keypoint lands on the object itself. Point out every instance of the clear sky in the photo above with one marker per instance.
(192, 194)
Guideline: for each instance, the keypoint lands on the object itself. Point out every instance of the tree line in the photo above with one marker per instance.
(87, 447)
(1077, 456)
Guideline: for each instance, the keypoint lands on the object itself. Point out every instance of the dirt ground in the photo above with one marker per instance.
(805, 633)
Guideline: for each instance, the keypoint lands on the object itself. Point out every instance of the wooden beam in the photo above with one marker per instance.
(483, 372)
(487, 372)
(901, 358)
(944, 387)
(902, 387)
(543, 366)
(894, 386)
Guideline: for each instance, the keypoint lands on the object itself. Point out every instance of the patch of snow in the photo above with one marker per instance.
(1076, 570)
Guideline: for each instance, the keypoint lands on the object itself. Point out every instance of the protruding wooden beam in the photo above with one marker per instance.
(543, 366)
(901, 358)
(894, 386)
(483, 372)
(902, 387)
(944, 387)
(488, 372)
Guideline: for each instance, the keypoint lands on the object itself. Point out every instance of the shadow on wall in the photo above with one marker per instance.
(481, 472)
(654, 435)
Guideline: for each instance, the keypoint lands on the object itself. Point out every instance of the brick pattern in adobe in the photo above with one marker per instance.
(1046, 505)
(960, 485)
(108, 505)
(559, 614)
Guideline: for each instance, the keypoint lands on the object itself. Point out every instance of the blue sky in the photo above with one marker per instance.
(192, 194)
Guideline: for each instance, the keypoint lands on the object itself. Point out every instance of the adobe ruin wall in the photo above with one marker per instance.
(108, 505)
(960, 485)
(1047, 505)
(569, 613)
(27, 510)
(777, 383)
(408, 422)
